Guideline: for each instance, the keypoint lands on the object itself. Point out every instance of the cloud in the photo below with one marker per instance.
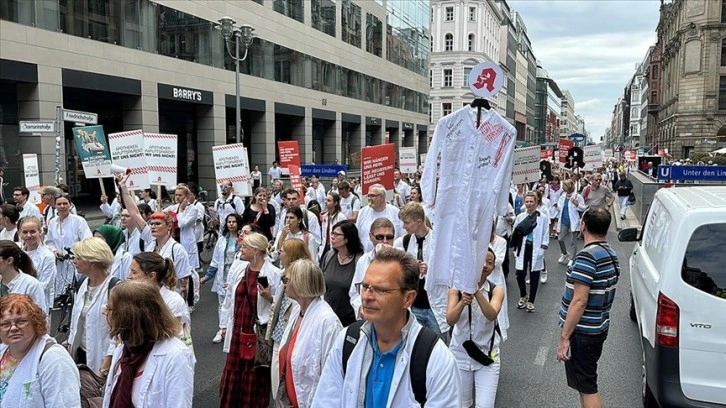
(588, 103)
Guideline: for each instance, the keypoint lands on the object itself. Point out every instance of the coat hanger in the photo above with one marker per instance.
(479, 103)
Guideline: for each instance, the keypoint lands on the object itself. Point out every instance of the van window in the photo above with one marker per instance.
(703, 265)
(657, 236)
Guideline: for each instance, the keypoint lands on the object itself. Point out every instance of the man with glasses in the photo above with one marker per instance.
(377, 208)
(389, 335)
(597, 194)
(20, 195)
(382, 232)
(226, 204)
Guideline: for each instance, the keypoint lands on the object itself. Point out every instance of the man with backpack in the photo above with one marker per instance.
(226, 204)
(389, 359)
(349, 202)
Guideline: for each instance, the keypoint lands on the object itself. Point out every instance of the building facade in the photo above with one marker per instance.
(568, 120)
(333, 75)
(547, 109)
(464, 33)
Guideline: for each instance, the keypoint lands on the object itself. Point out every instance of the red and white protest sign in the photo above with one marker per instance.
(486, 79)
(545, 154)
(127, 150)
(526, 165)
(564, 146)
(377, 166)
(295, 179)
(289, 152)
(231, 164)
(160, 151)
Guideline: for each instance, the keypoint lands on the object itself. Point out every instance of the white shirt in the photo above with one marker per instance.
(167, 380)
(61, 235)
(481, 334)
(327, 228)
(176, 253)
(25, 284)
(350, 205)
(312, 243)
(313, 223)
(225, 207)
(30, 209)
(360, 271)
(275, 173)
(367, 215)
(121, 264)
(13, 235)
(403, 190)
(471, 188)
(44, 262)
(499, 245)
(133, 244)
(96, 329)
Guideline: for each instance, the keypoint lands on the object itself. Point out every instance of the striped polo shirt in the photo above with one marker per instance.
(597, 267)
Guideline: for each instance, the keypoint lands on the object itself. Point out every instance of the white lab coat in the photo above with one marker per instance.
(313, 243)
(218, 262)
(121, 264)
(52, 381)
(25, 284)
(367, 215)
(572, 211)
(499, 245)
(199, 225)
(113, 211)
(96, 327)
(443, 381)
(554, 201)
(133, 244)
(168, 378)
(540, 237)
(176, 253)
(318, 330)
(236, 273)
(473, 186)
(223, 208)
(313, 223)
(327, 229)
(30, 209)
(44, 262)
(187, 221)
(360, 271)
(63, 235)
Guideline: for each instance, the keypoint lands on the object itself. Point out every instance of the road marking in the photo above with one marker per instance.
(541, 356)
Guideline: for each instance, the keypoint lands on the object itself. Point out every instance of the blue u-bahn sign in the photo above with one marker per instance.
(692, 173)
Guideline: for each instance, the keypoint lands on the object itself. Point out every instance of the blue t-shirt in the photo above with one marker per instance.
(595, 266)
(380, 375)
(566, 212)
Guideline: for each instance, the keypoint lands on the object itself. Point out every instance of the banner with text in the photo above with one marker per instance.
(545, 154)
(407, 159)
(32, 177)
(377, 166)
(93, 151)
(526, 165)
(127, 150)
(160, 151)
(231, 164)
(296, 179)
(564, 146)
(593, 157)
(607, 154)
(289, 152)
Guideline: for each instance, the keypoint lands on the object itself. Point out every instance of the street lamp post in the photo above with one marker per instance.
(245, 34)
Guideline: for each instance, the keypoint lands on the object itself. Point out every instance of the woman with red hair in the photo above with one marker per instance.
(34, 370)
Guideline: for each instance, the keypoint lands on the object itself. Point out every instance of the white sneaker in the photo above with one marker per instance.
(543, 277)
(522, 302)
(569, 263)
(217, 337)
(563, 259)
(527, 280)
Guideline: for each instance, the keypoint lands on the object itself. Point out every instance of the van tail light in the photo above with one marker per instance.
(666, 322)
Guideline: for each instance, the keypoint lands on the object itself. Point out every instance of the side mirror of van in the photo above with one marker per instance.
(628, 235)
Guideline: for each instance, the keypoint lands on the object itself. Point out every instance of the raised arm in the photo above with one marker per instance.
(136, 219)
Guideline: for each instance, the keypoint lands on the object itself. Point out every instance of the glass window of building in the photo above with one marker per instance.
(290, 8)
(186, 37)
(471, 42)
(449, 42)
(374, 35)
(431, 78)
(350, 21)
(445, 108)
(472, 13)
(448, 77)
(322, 16)
(467, 71)
(449, 14)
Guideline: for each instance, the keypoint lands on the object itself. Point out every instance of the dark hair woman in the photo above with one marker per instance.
(295, 228)
(261, 213)
(332, 215)
(339, 268)
(18, 274)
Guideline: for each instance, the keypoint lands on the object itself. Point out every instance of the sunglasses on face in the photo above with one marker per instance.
(382, 237)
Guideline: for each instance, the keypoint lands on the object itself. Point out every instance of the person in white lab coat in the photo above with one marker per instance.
(332, 215)
(186, 216)
(568, 221)
(88, 339)
(388, 336)
(114, 237)
(309, 336)
(378, 208)
(18, 274)
(530, 250)
(43, 258)
(39, 372)
(149, 349)
(9, 217)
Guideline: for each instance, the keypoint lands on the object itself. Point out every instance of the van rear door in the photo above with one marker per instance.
(702, 303)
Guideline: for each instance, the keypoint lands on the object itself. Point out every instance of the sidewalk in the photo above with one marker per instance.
(630, 221)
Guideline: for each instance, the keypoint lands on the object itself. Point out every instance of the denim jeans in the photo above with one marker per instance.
(426, 318)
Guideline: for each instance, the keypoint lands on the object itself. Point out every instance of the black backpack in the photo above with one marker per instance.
(422, 349)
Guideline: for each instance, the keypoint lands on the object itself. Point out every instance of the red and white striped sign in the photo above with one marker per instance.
(127, 150)
(526, 165)
(161, 150)
(231, 164)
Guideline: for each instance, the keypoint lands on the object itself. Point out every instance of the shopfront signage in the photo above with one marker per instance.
(37, 127)
(178, 93)
(87, 118)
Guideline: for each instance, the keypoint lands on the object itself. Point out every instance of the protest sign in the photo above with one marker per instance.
(377, 166)
(160, 151)
(564, 146)
(526, 165)
(407, 159)
(231, 164)
(93, 151)
(593, 157)
(289, 152)
(32, 177)
(127, 150)
(296, 179)
(545, 154)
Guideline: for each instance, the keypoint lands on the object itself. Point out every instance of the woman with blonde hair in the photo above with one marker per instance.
(252, 283)
(186, 216)
(308, 337)
(89, 340)
(43, 258)
(291, 251)
(150, 368)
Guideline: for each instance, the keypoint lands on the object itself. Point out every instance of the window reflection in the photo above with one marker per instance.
(290, 8)
(184, 36)
(408, 38)
(323, 16)
(374, 35)
(350, 22)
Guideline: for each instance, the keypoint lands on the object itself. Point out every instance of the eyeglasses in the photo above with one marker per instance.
(377, 291)
(20, 323)
(337, 234)
(384, 237)
(285, 280)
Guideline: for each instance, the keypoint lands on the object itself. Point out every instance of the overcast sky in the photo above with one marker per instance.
(591, 48)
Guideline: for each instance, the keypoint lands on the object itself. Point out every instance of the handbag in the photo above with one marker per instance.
(263, 352)
(631, 198)
(473, 350)
(186, 336)
(247, 346)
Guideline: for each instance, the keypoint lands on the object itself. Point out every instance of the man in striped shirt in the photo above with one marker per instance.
(586, 301)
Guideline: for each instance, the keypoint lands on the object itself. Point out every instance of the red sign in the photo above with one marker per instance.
(289, 154)
(295, 179)
(377, 166)
(545, 154)
(564, 146)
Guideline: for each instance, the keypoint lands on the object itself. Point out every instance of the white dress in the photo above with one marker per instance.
(473, 186)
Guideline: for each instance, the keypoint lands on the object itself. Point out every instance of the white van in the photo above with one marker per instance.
(678, 297)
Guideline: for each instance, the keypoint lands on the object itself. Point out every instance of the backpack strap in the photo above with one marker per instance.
(352, 334)
(422, 349)
(142, 245)
(113, 282)
(406, 241)
(48, 344)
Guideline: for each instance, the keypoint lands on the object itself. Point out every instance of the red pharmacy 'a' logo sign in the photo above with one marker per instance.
(486, 78)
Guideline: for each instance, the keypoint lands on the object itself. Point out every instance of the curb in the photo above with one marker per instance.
(630, 221)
